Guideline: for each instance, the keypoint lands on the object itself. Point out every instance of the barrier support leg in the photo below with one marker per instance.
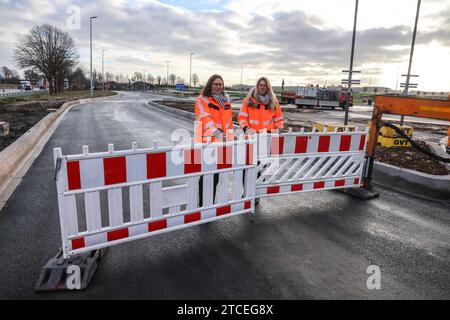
(74, 273)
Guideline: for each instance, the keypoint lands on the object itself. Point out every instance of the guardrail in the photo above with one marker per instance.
(6, 95)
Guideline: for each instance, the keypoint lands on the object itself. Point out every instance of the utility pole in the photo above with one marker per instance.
(349, 81)
(103, 75)
(407, 84)
(90, 28)
(167, 78)
(190, 69)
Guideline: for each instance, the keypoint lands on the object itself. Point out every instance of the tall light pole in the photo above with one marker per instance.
(351, 71)
(90, 30)
(103, 74)
(190, 69)
(408, 75)
(167, 76)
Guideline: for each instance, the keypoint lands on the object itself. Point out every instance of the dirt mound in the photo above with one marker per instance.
(410, 158)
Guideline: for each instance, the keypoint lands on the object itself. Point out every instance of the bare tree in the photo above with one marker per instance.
(150, 78)
(172, 78)
(31, 74)
(49, 50)
(109, 76)
(158, 79)
(195, 79)
(138, 76)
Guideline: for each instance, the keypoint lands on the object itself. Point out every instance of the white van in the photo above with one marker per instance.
(25, 85)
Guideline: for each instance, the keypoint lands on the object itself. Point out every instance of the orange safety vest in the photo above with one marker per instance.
(260, 117)
(210, 116)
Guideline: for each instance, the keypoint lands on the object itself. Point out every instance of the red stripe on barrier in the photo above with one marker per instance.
(223, 210)
(297, 187)
(117, 234)
(345, 143)
(356, 181)
(301, 144)
(192, 161)
(192, 217)
(247, 205)
(78, 243)
(319, 185)
(324, 144)
(362, 141)
(271, 190)
(157, 225)
(156, 165)
(225, 157)
(276, 145)
(115, 170)
(339, 183)
(73, 175)
(249, 156)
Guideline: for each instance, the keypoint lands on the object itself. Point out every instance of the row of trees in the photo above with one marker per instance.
(49, 52)
(173, 79)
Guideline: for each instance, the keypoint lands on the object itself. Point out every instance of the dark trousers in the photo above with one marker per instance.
(200, 188)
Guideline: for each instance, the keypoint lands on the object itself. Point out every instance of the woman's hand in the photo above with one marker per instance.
(250, 131)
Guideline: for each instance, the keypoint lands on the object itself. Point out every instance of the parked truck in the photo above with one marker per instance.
(314, 96)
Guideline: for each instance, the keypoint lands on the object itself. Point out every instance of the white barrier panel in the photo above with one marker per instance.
(150, 191)
(309, 161)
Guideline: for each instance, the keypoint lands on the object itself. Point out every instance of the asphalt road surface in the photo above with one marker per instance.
(309, 246)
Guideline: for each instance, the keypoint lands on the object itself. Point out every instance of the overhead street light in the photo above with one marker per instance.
(90, 30)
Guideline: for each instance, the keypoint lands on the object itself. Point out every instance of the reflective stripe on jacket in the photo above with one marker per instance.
(260, 117)
(212, 116)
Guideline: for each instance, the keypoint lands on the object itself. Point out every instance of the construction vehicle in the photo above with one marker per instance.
(315, 97)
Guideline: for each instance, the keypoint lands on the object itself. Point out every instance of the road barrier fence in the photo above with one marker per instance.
(113, 197)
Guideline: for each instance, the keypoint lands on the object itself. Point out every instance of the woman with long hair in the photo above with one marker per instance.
(260, 109)
(213, 112)
(214, 118)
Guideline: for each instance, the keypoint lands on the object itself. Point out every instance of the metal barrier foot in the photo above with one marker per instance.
(75, 273)
(361, 193)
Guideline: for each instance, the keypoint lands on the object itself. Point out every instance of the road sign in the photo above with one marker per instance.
(180, 86)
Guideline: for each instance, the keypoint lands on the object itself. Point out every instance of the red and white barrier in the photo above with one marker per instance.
(167, 178)
(309, 161)
(151, 191)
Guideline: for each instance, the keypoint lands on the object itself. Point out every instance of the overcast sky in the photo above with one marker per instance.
(303, 41)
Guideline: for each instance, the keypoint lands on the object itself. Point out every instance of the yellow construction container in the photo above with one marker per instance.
(331, 127)
(390, 133)
(389, 142)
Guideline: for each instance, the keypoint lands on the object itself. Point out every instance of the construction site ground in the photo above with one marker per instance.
(23, 115)
(408, 158)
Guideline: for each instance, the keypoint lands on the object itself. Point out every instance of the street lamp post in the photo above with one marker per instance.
(351, 71)
(407, 84)
(103, 74)
(190, 69)
(90, 30)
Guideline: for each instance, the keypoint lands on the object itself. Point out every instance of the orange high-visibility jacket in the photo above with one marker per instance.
(260, 117)
(212, 116)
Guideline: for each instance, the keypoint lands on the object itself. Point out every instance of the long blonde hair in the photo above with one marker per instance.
(253, 93)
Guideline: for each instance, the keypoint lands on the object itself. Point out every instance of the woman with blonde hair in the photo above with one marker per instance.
(260, 109)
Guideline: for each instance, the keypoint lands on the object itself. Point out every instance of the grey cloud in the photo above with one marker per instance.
(292, 45)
